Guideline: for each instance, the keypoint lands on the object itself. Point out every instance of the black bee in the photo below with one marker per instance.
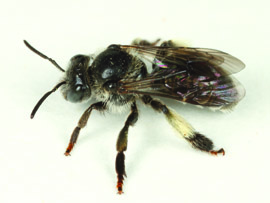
(121, 74)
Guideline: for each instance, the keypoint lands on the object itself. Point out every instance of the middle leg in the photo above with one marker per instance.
(121, 146)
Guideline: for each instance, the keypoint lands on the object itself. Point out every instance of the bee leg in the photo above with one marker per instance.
(142, 42)
(100, 106)
(196, 139)
(121, 146)
(168, 43)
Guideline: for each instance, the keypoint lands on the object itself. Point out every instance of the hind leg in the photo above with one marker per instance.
(197, 140)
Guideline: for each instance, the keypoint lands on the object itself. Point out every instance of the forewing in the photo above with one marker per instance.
(193, 75)
(222, 62)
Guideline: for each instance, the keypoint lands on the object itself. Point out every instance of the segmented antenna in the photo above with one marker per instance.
(43, 56)
(44, 97)
(55, 88)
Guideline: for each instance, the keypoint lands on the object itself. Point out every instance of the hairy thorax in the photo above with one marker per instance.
(116, 103)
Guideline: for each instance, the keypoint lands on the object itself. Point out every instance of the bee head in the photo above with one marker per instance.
(77, 87)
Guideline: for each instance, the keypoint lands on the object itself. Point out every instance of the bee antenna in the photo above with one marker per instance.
(43, 56)
(44, 97)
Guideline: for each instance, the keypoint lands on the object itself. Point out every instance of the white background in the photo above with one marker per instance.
(159, 165)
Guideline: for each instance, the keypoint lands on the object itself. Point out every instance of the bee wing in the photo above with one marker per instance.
(193, 75)
(197, 58)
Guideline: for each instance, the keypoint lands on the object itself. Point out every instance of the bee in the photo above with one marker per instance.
(123, 74)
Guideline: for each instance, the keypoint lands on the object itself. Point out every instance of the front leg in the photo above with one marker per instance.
(121, 146)
(100, 106)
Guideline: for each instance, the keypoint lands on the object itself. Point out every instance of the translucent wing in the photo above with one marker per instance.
(193, 75)
(186, 56)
